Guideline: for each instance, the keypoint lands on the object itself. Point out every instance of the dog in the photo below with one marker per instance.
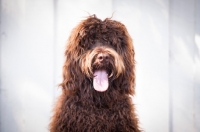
(98, 79)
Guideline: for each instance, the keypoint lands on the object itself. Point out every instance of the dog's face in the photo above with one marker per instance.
(99, 55)
(102, 63)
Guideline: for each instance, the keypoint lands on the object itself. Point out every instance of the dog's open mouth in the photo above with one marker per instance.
(100, 80)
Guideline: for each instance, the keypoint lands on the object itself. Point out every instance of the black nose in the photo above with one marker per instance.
(102, 57)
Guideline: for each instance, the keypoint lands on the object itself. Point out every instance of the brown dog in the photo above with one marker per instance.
(98, 79)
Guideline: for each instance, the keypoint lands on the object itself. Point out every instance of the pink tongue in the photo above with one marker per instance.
(100, 80)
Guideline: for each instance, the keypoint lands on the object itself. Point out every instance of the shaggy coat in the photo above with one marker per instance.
(104, 46)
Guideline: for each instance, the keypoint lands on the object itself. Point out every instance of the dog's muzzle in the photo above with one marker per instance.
(102, 63)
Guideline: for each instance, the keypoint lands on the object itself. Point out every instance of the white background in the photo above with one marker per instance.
(166, 36)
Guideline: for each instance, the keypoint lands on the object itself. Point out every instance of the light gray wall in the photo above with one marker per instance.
(27, 65)
(166, 36)
(184, 65)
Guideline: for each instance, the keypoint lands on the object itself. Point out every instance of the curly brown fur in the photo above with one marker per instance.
(81, 108)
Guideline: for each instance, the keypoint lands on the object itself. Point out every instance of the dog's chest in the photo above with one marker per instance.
(96, 119)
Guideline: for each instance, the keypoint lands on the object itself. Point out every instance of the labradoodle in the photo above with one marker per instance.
(98, 79)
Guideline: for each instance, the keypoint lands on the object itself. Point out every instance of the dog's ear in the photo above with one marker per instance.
(128, 78)
(72, 76)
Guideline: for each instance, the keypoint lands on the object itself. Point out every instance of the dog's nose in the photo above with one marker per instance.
(102, 57)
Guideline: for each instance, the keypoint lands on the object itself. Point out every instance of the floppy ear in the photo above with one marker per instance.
(72, 76)
(128, 78)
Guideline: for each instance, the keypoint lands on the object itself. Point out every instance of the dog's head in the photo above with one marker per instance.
(99, 56)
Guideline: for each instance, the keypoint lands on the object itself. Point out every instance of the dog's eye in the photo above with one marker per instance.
(84, 45)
